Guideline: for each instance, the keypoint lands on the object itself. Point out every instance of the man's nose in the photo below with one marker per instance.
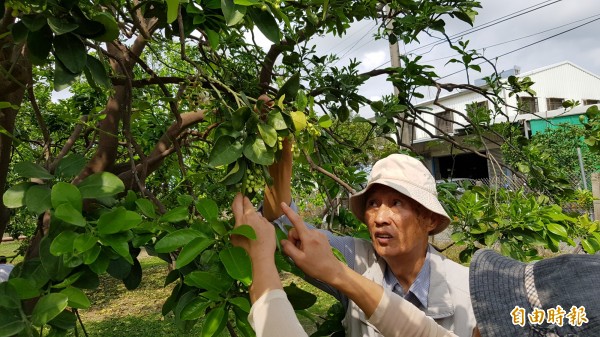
(382, 216)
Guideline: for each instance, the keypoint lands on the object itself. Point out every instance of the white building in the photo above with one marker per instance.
(553, 84)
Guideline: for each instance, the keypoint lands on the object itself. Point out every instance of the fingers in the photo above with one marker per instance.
(295, 219)
(238, 207)
(290, 249)
(248, 207)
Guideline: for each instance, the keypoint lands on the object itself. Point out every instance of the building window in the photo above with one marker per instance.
(528, 105)
(591, 101)
(482, 104)
(444, 123)
(554, 103)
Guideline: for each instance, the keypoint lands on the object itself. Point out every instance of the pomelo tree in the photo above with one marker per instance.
(167, 122)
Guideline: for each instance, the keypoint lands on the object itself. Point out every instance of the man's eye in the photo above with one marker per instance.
(371, 203)
(397, 202)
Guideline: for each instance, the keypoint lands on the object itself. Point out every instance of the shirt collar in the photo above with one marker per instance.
(419, 288)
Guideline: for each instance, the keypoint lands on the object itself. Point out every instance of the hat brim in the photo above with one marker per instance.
(418, 194)
(497, 285)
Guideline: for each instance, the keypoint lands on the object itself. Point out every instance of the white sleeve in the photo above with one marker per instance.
(396, 317)
(272, 315)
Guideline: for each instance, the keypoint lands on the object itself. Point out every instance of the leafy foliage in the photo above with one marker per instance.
(165, 124)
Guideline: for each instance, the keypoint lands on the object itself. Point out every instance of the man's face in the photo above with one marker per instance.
(394, 224)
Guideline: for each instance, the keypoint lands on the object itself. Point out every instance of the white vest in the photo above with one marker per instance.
(448, 300)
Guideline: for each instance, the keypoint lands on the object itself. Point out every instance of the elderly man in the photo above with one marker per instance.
(401, 209)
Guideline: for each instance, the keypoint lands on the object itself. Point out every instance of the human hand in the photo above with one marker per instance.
(245, 214)
(310, 250)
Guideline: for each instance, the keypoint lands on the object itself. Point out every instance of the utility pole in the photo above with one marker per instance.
(403, 130)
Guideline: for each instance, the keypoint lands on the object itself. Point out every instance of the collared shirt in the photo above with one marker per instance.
(418, 291)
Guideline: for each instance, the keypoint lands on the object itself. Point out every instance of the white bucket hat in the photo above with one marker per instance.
(408, 176)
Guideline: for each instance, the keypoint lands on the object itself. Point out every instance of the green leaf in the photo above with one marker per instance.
(225, 151)
(195, 309)
(34, 22)
(208, 208)
(119, 243)
(25, 288)
(172, 10)
(233, 13)
(70, 165)
(48, 307)
(10, 325)
(100, 185)
(63, 78)
(68, 214)
(268, 134)
(77, 299)
(338, 255)
(491, 238)
(70, 50)
(244, 230)
(37, 199)
(60, 26)
(176, 239)
(213, 322)
(66, 320)
(218, 227)
(14, 197)
(98, 72)
(235, 174)
(84, 242)
(39, 44)
(191, 250)
(177, 214)
(19, 32)
(558, 230)
(276, 120)
(31, 170)
(65, 193)
(237, 263)
(240, 117)
(241, 302)
(290, 87)
(134, 278)
(325, 121)
(118, 220)
(301, 100)
(258, 153)
(299, 119)
(209, 280)
(8, 296)
(91, 255)
(111, 29)
(299, 298)
(146, 207)
(266, 24)
(63, 243)
(213, 38)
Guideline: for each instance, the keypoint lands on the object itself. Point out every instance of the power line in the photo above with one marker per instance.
(526, 46)
(354, 45)
(488, 24)
(517, 39)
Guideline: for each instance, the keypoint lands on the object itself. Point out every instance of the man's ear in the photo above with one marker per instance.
(434, 220)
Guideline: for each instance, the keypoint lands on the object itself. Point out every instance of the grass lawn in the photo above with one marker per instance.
(118, 312)
(10, 248)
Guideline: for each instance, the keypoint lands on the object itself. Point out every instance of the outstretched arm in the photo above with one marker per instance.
(271, 311)
(390, 313)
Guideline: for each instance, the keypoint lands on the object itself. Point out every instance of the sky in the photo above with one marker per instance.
(538, 20)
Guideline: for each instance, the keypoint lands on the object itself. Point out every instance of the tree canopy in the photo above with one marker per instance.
(166, 123)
